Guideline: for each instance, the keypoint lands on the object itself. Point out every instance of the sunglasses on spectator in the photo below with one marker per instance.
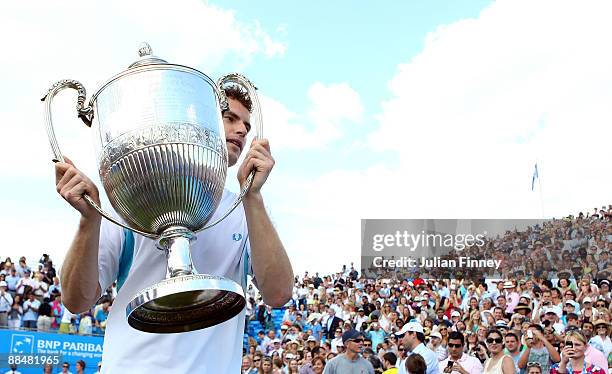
(495, 340)
(451, 345)
(367, 344)
(359, 340)
(600, 305)
(601, 327)
(533, 364)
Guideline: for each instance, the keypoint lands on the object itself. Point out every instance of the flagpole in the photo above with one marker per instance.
(541, 196)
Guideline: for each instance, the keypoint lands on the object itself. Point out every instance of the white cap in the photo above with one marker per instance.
(553, 309)
(311, 339)
(455, 314)
(410, 326)
(508, 284)
(435, 334)
(587, 300)
(3, 284)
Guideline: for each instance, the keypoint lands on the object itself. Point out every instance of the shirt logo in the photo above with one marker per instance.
(237, 236)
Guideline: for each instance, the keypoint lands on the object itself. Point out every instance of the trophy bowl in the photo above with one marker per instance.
(163, 162)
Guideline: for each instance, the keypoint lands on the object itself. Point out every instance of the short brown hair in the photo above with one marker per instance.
(415, 364)
(238, 92)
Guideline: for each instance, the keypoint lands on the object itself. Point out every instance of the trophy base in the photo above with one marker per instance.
(185, 303)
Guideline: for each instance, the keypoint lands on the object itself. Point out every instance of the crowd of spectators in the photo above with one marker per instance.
(550, 313)
(32, 299)
(547, 311)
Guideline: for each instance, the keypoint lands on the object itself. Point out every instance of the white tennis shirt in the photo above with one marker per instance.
(221, 250)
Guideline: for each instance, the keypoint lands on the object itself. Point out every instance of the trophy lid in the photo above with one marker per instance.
(146, 57)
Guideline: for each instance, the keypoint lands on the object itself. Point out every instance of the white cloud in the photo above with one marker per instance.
(90, 42)
(468, 117)
(333, 109)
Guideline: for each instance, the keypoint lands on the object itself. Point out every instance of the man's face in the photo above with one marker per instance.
(409, 339)
(511, 343)
(455, 348)
(498, 314)
(534, 370)
(236, 122)
(587, 329)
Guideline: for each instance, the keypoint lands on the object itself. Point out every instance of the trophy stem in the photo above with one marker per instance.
(185, 300)
(176, 243)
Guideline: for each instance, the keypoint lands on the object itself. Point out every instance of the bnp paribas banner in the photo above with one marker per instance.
(31, 350)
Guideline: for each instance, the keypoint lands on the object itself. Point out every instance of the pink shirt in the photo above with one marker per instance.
(469, 363)
(594, 356)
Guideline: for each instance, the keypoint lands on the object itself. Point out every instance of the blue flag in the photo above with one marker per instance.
(534, 177)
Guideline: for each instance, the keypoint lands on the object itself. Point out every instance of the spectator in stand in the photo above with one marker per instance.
(351, 361)
(30, 312)
(16, 313)
(389, 360)
(498, 362)
(513, 348)
(43, 323)
(318, 365)
(412, 338)
(40, 288)
(22, 268)
(57, 310)
(26, 284)
(56, 287)
(538, 349)
(415, 364)
(458, 361)
(573, 357)
(6, 301)
(601, 341)
(12, 279)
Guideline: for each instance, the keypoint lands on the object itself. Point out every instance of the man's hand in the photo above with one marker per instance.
(260, 159)
(72, 184)
(458, 368)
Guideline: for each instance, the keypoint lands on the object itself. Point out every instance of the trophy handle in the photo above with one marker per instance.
(256, 113)
(85, 113)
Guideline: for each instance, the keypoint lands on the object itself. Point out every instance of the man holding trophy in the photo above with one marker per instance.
(164, 177)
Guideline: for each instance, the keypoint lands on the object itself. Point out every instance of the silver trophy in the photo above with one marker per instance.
(163, 161)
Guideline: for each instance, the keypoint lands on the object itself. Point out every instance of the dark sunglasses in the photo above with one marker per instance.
(533, 364)
(601, 327)
(451, 345)
(495, 340)
(359, 340)
(367, 344)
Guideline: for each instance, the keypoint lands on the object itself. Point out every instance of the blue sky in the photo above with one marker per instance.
(413, 109)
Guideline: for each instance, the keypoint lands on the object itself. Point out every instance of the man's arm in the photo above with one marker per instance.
(522, 363)
(80, 286)
(270, 261)
(552, 351)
